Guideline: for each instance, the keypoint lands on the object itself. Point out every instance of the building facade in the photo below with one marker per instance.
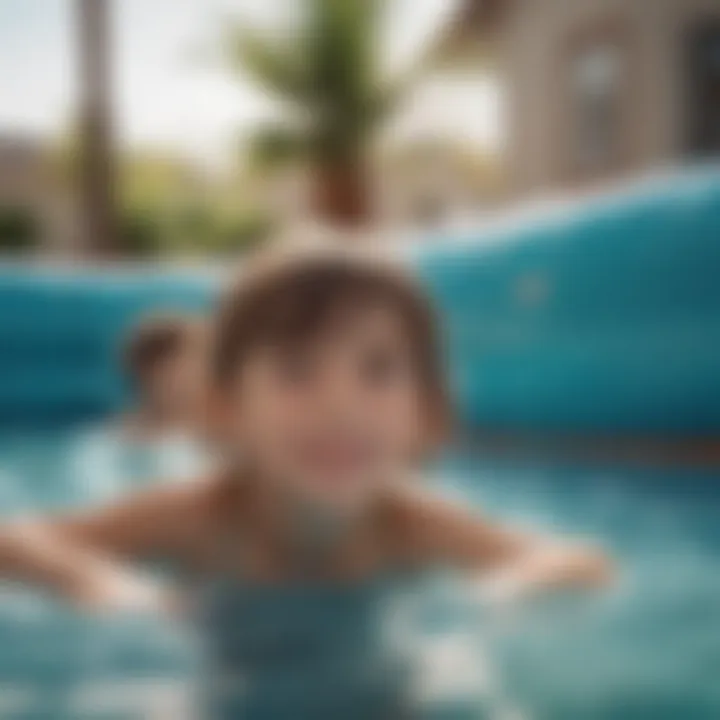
(599, 89)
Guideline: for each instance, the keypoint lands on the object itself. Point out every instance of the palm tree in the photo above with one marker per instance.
(95, 155)
(327, 70)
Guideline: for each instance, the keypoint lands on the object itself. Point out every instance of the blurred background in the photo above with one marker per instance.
(193, 128)
(550, 169)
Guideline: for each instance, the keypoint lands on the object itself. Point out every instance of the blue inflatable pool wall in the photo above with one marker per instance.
(601, 316)
(61, 333)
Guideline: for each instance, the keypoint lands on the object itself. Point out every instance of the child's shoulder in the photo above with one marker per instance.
(419, 521)
(205, 499)
(167, 509)
(410, 502)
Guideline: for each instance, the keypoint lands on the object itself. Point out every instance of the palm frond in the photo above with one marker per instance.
(328, 67)
(394, 91)
(280, 67)
(273, 146)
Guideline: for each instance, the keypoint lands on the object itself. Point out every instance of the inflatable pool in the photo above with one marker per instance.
(61, 333)
(603, 315)
(600, 315)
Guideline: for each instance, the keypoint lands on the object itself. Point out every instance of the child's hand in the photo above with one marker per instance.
(589, 568)
(113, 590)
(548, 568)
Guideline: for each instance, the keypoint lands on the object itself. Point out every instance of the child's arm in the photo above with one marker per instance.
(513, 563)
(80, 557)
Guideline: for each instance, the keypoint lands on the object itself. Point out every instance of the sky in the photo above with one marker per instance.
(170, 92)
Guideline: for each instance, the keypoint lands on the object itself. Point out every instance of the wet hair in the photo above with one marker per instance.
(288, 298)
(155, 340)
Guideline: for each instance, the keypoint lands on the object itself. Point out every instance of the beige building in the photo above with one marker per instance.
(595, 89)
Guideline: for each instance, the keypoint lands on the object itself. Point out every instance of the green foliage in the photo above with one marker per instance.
(140, 232)
(239, 233)
(191, 227)
(273, 146)
(19, 230)
(326, 69)
(153, 179)
(197, 228)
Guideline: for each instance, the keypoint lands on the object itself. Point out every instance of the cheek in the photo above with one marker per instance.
(179, 379)
(164, 385)
(397, 420)
(194, 375)
(183, 383)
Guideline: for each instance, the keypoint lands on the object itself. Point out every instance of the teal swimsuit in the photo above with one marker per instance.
(299, 652)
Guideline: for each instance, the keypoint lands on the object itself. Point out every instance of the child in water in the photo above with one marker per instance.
(327, 395)
(163, 361)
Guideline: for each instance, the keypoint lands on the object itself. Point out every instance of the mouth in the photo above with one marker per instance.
(334, 457)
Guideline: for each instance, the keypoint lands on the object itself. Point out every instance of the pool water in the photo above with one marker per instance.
(648, 649)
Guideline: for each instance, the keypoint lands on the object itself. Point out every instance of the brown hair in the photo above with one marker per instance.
(154, 340)
(292, 296)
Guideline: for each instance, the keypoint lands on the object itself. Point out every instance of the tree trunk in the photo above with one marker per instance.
(343, 194)
(97, 211)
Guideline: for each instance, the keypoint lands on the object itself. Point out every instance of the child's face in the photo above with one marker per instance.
(332, 419)
(174, 387)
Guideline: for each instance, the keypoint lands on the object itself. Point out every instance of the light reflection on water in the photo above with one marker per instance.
(650, 648)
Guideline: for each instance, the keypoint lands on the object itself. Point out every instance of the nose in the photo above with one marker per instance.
(340, 394)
